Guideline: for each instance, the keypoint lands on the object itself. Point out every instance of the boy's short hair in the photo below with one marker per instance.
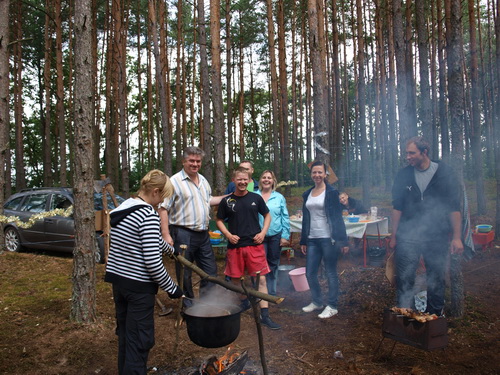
(241, 170)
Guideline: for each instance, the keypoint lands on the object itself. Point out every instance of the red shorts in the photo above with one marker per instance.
(249, 258)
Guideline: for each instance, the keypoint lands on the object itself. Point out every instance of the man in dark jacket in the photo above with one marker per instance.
(426, 221)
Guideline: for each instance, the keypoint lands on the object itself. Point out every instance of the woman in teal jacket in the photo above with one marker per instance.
(278, 234)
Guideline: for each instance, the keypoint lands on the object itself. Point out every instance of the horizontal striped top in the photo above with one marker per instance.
(137, 247)
(189, 207)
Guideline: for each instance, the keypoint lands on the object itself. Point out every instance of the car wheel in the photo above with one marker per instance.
(12, 239)
(99, 246)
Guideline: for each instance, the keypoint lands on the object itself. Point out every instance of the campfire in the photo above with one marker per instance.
(231, 363)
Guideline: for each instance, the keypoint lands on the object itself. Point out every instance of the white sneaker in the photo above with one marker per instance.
(311, 307)
(328, 312)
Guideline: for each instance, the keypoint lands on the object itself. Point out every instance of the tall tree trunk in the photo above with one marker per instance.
(385, 162)
(83, 306)
(218, 115)
(229, 86)
(402, 73)
(283, 80)
(411, 85)
(496, 93)
(160, 79)
(295, 93)
(165, 68)
(477, 154)
(457, 120)
(149, 90)
(4, 104)
(207, 134)
(443, 85)
(71, 99)
(241, 97)
(274, 84)
(307, 82)
(321, 135)
(345, 104)
(46, 139)
(18, 96)
(425, 112)
(112, 131)
(382, 161)
(337, 102)
(434, 84)
(485, 92)
(178, 83)
(365, 163)
(121, 19)
(253, 113)
(60, 117)
(391, 94)
(140, 102)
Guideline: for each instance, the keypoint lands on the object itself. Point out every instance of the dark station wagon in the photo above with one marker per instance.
(55, 233)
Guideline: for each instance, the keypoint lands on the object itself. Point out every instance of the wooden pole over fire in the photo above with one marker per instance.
(225, 284)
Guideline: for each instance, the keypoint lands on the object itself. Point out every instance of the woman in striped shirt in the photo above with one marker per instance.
(135, 268)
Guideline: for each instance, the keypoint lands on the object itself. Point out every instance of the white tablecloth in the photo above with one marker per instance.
(356, 230)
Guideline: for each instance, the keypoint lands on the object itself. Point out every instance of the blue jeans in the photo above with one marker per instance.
(318, 249)
(199, 251)
(407, 256)
(273, 253)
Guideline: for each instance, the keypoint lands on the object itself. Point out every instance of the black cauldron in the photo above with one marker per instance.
(212, 326)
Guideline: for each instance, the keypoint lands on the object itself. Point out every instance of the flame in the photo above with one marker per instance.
(225, 360)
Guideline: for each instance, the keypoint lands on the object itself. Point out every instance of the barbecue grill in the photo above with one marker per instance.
(430, 335)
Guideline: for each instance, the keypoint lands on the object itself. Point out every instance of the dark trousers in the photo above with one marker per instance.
(134, 328)
(322, 249)
(273, 253)
(407, 257)
(199, 251)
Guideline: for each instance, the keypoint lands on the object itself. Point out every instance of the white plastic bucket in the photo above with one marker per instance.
(299, 280)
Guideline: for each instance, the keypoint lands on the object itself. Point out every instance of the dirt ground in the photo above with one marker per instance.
(36, 336)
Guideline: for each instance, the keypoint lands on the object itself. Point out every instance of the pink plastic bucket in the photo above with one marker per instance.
(299, 280)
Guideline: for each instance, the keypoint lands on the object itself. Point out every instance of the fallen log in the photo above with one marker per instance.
(225, 284)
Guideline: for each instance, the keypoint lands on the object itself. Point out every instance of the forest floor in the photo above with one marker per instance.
(36, 336)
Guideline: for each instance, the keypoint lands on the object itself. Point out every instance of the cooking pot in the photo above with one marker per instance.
(212, 326)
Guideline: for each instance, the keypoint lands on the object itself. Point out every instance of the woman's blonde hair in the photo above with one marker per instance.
(275, 181)
(156, 179)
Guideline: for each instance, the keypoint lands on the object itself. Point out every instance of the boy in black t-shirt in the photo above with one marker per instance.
(241, 209)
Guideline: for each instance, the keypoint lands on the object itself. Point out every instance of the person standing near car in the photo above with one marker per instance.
(135, 269)
(185, 219)
(323, 237)
(278, 234)
(427, 222)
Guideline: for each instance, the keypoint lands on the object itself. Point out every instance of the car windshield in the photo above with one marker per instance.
(98, 201)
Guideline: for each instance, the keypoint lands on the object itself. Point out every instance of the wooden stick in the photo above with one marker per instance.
(225, 284)
(178, 321)
(257, 323)
(298, 358)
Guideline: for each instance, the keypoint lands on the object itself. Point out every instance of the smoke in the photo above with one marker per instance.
(217, 301)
